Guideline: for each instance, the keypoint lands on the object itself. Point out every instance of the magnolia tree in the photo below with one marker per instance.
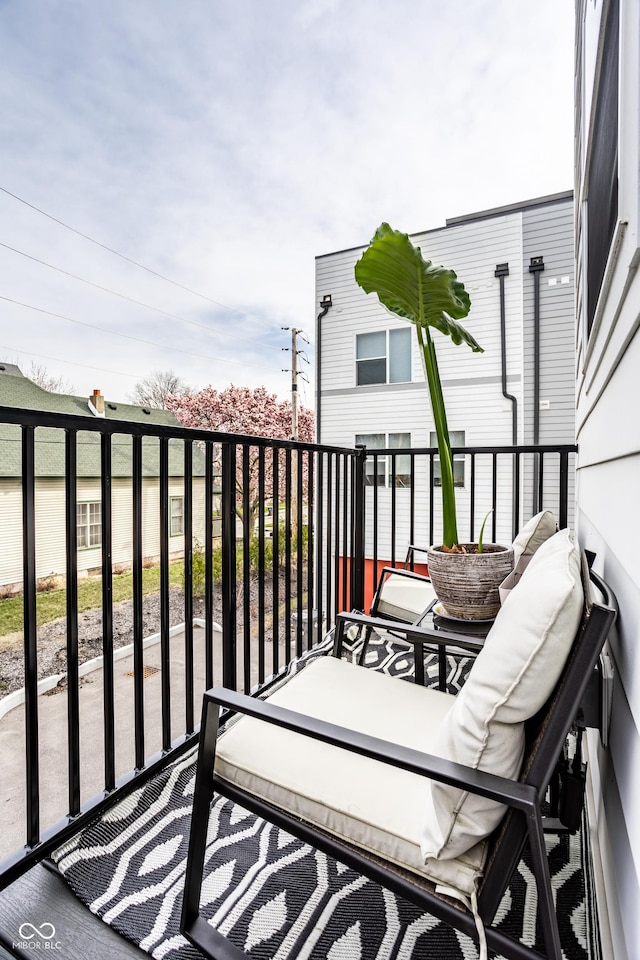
(253, 412)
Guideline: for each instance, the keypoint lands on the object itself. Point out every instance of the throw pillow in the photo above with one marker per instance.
(533, 534)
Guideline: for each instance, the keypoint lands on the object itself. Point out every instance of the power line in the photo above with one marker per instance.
(123, 256)
(139, 303)
(74, 363)
(128, 336)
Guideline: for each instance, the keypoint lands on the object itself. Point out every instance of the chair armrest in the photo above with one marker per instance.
(411, 549)
(401, 572)
(511, 792)
(413, 633)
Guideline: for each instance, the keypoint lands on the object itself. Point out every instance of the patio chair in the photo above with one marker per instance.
(401, 595)
(383, 775)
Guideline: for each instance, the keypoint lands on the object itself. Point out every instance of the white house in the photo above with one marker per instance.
(517, 263)
(17, 390)
(607, 420)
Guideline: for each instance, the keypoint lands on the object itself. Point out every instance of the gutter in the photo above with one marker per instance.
(536, 266)
(326, 303)
(502, 271)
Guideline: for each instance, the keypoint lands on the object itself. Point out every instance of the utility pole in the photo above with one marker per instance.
(295, 375)
(294, 382)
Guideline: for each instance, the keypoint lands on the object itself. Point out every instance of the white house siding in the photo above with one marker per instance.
(608, 476)
(10, 531)
(50, 524)
(548, 232)
(472, 382)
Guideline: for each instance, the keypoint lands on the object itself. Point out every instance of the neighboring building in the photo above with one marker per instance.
(608, 422)
(369, 376)
(18, 391)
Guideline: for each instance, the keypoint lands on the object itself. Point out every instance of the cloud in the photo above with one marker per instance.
(226, 145)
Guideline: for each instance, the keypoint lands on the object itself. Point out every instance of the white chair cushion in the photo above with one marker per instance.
(533, 535)
(404, 598)
(512, 677)
(379, 808)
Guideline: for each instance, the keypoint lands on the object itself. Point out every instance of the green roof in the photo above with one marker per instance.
(18, 391)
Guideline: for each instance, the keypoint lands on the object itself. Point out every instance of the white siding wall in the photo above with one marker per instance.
(608, 477)
(50, 524)
(548, 232)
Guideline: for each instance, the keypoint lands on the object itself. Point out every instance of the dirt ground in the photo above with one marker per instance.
(52, 637)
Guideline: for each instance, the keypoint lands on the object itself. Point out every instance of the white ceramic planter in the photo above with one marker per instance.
(467, 583)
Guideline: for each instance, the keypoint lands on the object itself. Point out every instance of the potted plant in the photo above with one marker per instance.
(465, 576)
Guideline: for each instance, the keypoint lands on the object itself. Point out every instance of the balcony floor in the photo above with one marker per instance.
(41, 897)
(373, 923)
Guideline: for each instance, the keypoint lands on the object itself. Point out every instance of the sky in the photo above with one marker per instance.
(170, 170)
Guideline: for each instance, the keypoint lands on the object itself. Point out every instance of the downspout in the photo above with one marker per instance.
(536, 266)
(502, 271)
(325, 303)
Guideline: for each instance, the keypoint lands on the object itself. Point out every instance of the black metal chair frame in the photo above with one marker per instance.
(391, 626)
(545, 735)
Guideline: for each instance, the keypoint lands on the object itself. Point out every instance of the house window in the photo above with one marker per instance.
(382, 471)
(383, 357)
(89, 523)
(456, 439)
(602, 204)
(176, 520)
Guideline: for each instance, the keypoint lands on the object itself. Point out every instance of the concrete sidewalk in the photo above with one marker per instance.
(52, 715)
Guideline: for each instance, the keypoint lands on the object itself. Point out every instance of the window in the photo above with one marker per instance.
(176, 521)
(89, 522)
(383, 357)
(602, 213)
(379, 472)
(456, 439)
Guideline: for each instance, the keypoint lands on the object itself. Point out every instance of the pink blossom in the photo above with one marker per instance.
(250, 412)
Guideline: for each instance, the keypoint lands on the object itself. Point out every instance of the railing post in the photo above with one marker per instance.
(229, 612)
(357, 551)
(30, 636)
(563, 492)
(73, 682)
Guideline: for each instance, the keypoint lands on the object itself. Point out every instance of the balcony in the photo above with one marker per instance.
(280, 537)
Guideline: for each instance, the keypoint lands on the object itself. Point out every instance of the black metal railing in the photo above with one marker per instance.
(277, 536)
(282, 568)
(505, 484)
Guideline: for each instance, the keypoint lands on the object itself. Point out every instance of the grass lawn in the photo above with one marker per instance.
(52, 604)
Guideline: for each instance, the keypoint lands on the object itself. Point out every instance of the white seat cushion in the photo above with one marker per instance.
(405, 598)
(375, 806)
(513, 676)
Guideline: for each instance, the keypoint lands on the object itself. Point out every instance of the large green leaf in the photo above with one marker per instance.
(413, 287)
(428, 296)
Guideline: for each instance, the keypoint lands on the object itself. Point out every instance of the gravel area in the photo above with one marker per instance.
(52, 637)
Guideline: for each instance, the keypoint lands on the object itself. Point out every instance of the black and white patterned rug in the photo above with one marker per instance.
(276, 897)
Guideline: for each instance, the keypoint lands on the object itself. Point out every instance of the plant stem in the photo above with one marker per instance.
(449, 525)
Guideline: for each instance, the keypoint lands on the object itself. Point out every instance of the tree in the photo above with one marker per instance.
(253, 412)
(154, 390)
(39, 374)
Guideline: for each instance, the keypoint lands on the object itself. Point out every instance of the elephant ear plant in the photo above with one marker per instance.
(429, 297)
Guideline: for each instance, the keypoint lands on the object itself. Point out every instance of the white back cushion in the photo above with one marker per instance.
(533, 535)
(510, 681)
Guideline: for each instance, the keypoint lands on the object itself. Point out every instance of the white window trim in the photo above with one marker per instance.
(457, 458)
(386, 382)
(87, 524)
(386, 459)
(180, 533)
